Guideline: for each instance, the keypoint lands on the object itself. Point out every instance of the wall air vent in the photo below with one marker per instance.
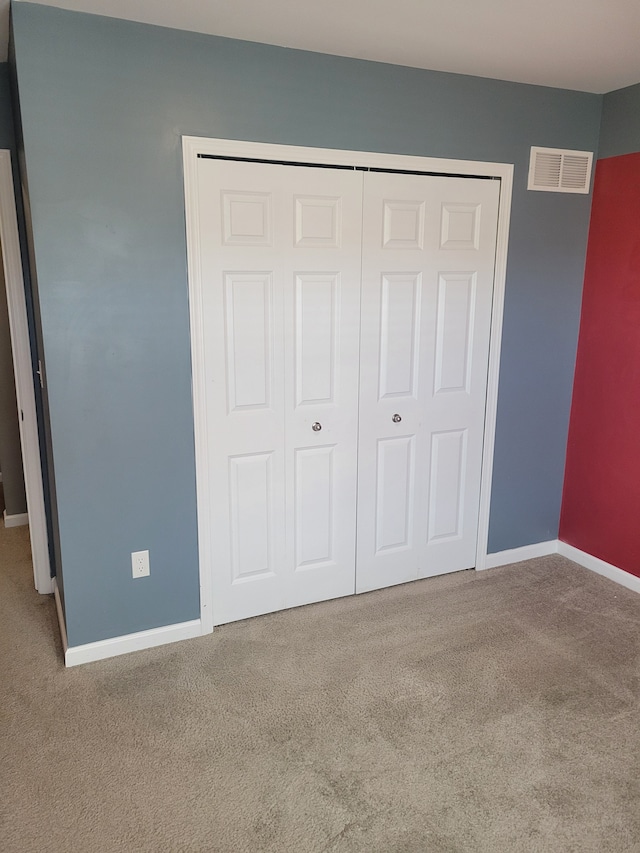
(556, 170)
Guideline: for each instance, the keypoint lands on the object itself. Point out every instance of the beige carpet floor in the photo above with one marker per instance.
(474, 712)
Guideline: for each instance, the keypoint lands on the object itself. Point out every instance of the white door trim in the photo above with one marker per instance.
(25, 393)
(192, 147)
(493, 376)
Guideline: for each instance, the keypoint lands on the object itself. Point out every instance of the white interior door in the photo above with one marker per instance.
(429, 246)
(23, 372)
(280, 279)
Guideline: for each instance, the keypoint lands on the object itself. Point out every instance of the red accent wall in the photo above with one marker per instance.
(601, 500)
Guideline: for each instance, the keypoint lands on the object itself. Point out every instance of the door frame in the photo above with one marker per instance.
(192, 147)
(24, 379)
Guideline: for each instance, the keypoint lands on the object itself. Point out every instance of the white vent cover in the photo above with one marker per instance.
(558, 171)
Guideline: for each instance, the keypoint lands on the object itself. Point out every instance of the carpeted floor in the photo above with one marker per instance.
(474, 712)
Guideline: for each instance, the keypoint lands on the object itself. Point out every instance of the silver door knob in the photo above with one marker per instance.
(396, 419)
(316, 427)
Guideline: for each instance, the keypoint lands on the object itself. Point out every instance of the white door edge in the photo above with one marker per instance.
(194, 146)
(25, 392)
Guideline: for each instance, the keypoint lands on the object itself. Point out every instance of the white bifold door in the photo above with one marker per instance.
(346, 318)
(280, 268)
(427, 285)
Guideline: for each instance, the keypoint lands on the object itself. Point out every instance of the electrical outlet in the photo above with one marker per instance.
(140, 564)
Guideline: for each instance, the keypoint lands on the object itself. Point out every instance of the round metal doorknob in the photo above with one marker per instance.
(396, 419)
(316, 427)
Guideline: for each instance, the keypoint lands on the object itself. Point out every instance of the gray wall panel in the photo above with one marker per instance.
(620, 130)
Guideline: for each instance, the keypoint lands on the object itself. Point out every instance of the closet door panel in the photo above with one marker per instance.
(280, 269)
(428, 266)
(322, 311)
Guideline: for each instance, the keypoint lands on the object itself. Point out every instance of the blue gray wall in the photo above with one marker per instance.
(620, 129)
(104, 104)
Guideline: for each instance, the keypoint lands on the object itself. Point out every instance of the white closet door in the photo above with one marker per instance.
(280, 268)
(428, 266)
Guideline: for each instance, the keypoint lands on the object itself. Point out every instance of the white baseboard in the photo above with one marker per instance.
(555, 546)
(16, 520)
(102, 649)
(517, 555)
(595, 564)
(74, 655)
(61, 623)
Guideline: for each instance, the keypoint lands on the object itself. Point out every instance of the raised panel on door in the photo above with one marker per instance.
(316, 297)
(249, 339)
(280, 268)
(313, 506)
(394, 494)
(448, 463)
(455, 327)
(428, 267)
(252, 514)
(399, 341)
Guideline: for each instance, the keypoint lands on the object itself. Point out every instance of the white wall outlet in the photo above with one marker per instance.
(140, 564)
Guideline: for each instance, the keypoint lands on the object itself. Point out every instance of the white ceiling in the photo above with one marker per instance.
(589, 45)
